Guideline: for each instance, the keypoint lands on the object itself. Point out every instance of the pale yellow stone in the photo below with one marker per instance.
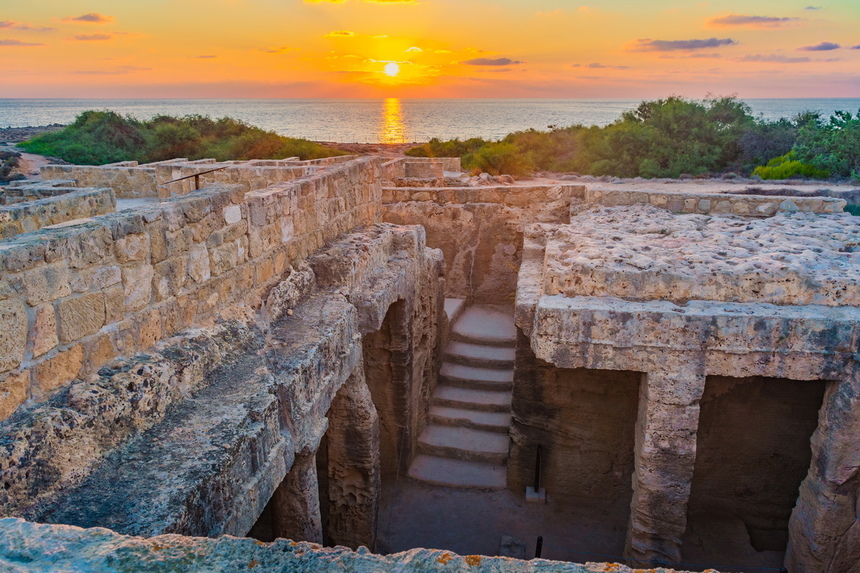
(13, 392)
(13, 333)
(44, 333)
(58, 371)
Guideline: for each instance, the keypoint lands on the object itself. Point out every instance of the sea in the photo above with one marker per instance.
(389, 120)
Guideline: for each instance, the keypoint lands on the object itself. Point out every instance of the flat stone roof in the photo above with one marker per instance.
(647, 253)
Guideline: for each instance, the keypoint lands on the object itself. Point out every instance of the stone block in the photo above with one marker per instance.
(80, 316)
(45, 283)
(137, 285)
(131, 248)
(13, 333)
(232, 214)
(13, 392)
(198, 263)
(58, 371)
(43, 336)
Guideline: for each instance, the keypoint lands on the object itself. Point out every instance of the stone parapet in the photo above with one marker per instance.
(52, 210)
(73, 298)
(127, 182)
(715, 203)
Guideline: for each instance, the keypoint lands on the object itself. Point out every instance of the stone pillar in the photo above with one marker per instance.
(665, 452)
(296, 503)
(824, 529)
(353, 466)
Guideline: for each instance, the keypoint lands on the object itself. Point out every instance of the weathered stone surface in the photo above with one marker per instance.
(137, 285)
(80, 316)
(13, 392)
(36, 548)
(58, 370)
(13, 333)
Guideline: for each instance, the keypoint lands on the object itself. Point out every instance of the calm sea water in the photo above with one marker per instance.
(382, 120)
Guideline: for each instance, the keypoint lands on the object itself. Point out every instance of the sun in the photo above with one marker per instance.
(392, 69)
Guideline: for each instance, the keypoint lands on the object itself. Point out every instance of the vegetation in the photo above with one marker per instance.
(98, 137)
(8, 162)
(670, 138)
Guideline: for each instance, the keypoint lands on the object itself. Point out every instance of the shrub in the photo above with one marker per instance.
(833, 146)
(498, 158)
(98, 137)
(787, 166)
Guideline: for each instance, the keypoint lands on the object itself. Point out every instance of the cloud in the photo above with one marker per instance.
(12, 25)
(206, 57)
(91, 18)
(340, 34)
(773, 58)
(18, 43)
(115, 72)
(414, 49)
(93, 37)
(752, 21)
(649, 45)
(599, 66)
(813, 8)
(441, 51)
(857, 47)
(279, 50)
(822, 47)
(381, 36)
(491, 62)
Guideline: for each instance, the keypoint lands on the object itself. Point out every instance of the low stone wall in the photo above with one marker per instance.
(716, 203)
(127, 182)
(32, 215)
(31, 547)
(73, 298)
(20, 191)
(250, 176)
(479, 229)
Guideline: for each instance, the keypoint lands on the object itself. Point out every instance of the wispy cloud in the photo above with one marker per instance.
(12, 25)
(822, 47)
(414, 49)
(813, 8)
(649, 45)
(279, 50)
(205, 57)
(599, 66)
(491, 62)
(855, 47)
(18, 43)
(92, 37)
(91, 18)
(441, 51)
(752, 21)
(340, 34)
(773, 59)
(114, 72)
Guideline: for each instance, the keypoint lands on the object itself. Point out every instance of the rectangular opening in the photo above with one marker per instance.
(752, 452)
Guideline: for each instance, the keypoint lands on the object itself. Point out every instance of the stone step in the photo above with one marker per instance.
(458, 473)
(480, 355)
(470, 399)
(490, 325)
(464, 444)
(477, 378)
(454, 307)
(489, 421)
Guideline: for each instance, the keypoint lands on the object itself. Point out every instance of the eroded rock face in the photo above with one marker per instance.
(32, 548)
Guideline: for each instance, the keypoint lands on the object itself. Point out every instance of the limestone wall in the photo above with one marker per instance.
(127, 182)
(32, 215)
(716, 203)
(73, 298)
(479, 229)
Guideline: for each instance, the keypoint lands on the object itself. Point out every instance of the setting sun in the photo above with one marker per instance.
(392, 69)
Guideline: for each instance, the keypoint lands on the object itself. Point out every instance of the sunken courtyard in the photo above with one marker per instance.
(379, 364)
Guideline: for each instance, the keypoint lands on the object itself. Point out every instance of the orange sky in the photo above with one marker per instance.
(444, 48)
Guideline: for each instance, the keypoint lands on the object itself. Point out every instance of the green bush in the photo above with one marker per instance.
(833, 146)
(497, 158)
(787, 166)
(99, 137)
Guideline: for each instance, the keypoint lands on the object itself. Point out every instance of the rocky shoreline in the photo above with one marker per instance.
(19, 134)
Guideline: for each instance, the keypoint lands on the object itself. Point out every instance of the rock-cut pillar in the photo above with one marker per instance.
(824, 529)
(665, 452)
(296, 503)
(353, 466)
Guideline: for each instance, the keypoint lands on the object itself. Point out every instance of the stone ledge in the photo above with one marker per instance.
(31, 547)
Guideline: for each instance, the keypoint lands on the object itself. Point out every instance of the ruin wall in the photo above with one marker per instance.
(73, 298)
(128, 182)
(479, 229)
(32, 215)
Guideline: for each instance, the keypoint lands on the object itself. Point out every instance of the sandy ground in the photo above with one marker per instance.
(472, 522)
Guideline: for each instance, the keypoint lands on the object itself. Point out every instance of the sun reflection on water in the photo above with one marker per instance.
(393, 129)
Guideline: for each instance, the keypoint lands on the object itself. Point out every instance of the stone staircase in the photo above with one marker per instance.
(465, 443)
